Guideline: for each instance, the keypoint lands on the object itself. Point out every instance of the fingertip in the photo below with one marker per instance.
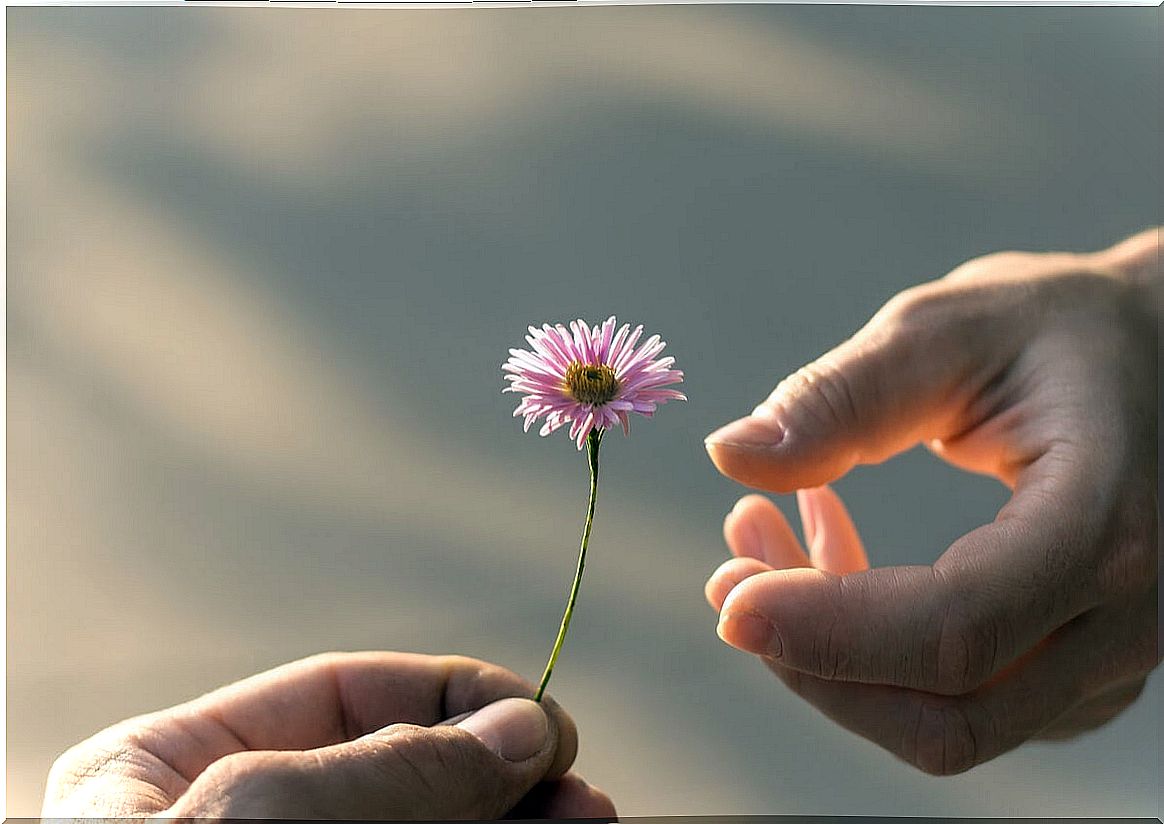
(580, 799)
(516, 729)
(744, 449)
(750, 466)
(722, 458)
(751, 502)
(728, 575)
(781, 469)
(566, 733)
(728, 530)
(472, 684)
(715, 590)
(760, 528)
(767, 594)
(570, 797)
(740, 530)
(748, 631)
(759, 430)
(741, 624)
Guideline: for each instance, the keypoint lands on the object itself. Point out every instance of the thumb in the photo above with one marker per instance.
(894, 383)
(478, 768)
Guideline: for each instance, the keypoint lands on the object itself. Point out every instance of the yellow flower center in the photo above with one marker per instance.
(591, 383)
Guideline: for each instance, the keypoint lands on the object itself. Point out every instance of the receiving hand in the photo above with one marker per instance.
(1038, 369)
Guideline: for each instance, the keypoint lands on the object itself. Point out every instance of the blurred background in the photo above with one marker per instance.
(264, 266)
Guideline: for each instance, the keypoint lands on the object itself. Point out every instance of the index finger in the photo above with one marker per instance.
(900, 380)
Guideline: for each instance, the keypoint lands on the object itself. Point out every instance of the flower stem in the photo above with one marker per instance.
(593, 440)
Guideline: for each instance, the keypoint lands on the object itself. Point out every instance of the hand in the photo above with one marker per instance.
(339, 736)
(1038, 369)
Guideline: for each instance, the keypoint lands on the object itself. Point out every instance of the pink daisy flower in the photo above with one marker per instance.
(589, 377)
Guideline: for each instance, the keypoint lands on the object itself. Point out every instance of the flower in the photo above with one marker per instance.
(589, 377)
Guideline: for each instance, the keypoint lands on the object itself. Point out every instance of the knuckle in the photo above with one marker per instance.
(824, 391)
(331, 660)
(924, 329)
(827, 652)
(917, 309)
(329, 657)
(77, 783)
(944, 742)
(428, 760)
(247, 785)
(474, 674)
(828, 657)
(245, 768)
(471, 680)
(993, 264)
(966, 651)
(410, 754)
(107, 752)
(83, 762)
(423, 753)
(455, 662)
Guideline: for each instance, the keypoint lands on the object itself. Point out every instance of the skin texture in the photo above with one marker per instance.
(373, 735)
(1040, 370)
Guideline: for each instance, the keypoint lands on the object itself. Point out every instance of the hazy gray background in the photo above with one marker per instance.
(264, 265)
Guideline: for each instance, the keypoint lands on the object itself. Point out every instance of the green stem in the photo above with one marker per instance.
(593, 440)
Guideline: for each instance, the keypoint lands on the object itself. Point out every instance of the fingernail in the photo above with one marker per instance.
(749, 632)
(758, 430)
(514, 728)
